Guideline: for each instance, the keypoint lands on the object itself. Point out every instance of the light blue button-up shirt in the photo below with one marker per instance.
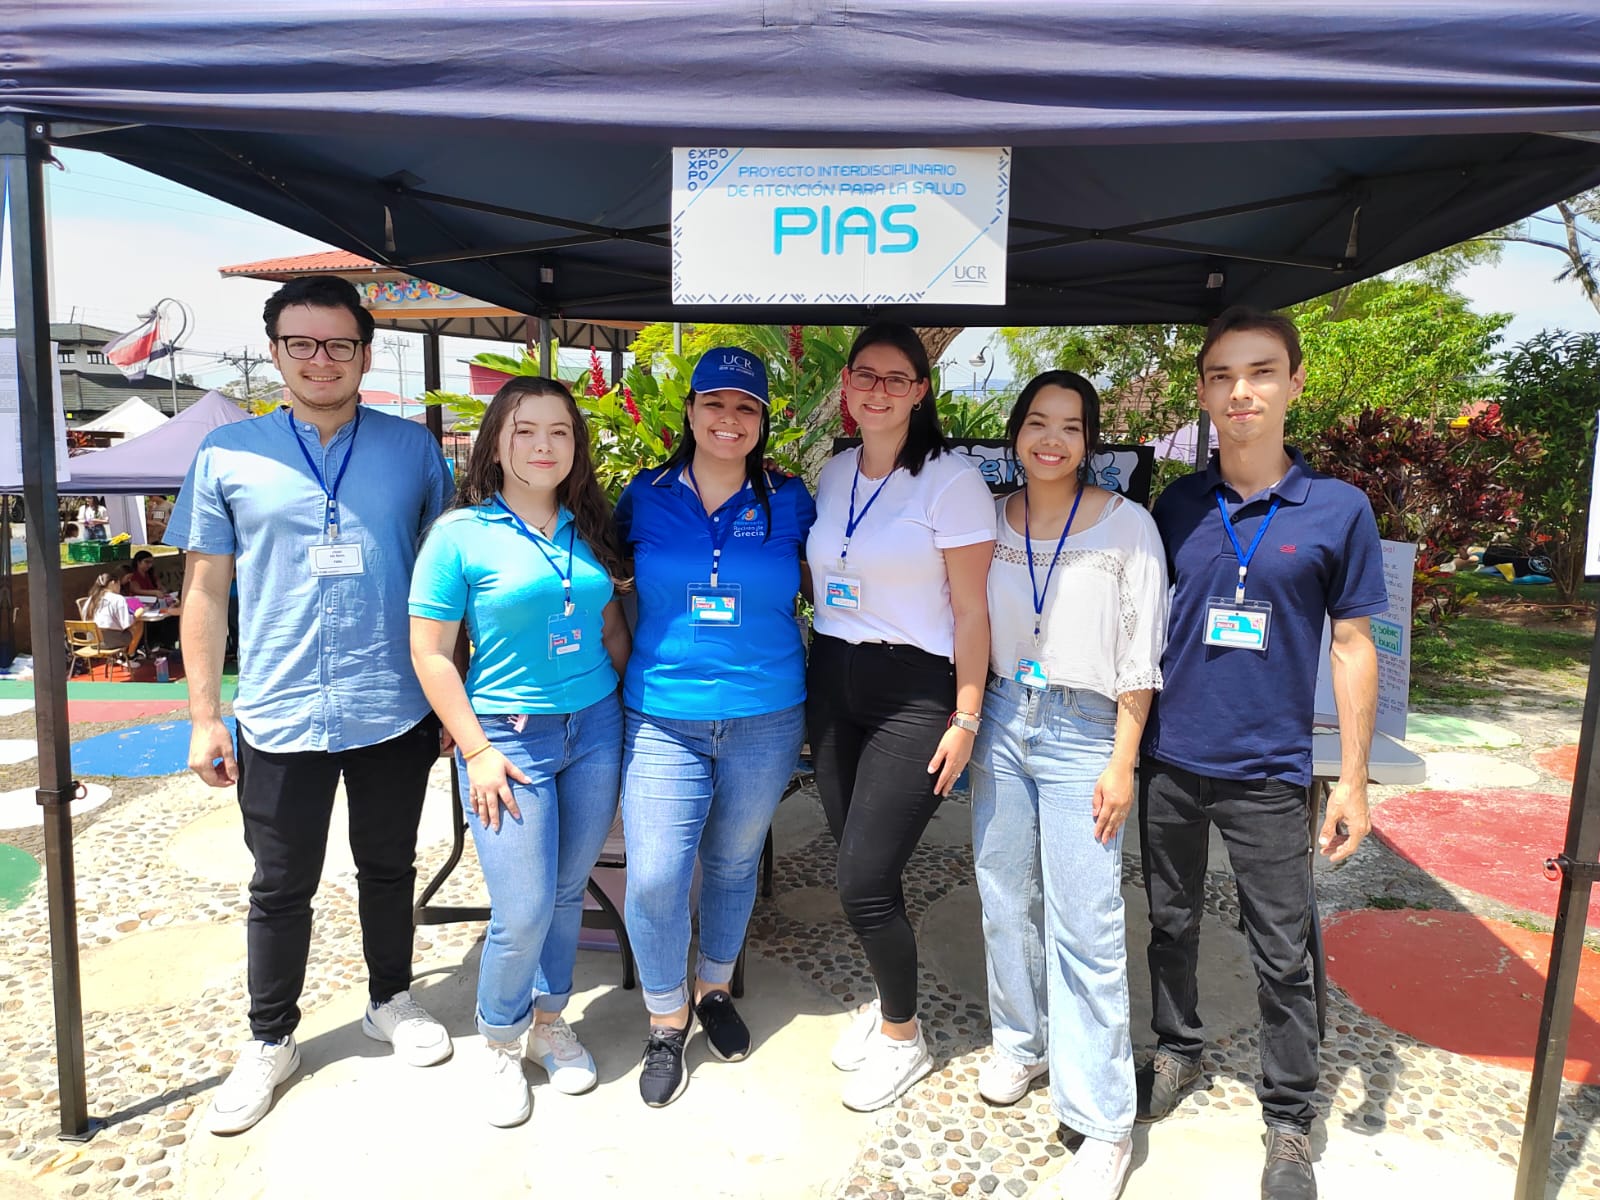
(324, 661)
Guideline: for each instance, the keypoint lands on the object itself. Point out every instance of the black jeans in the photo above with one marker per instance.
(287, 802)
(876, 713)
(1264, 825)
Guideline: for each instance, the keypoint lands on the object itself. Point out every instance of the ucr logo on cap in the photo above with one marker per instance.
(730, 368)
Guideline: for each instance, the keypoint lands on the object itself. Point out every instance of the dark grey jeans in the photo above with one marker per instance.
(1264, 826)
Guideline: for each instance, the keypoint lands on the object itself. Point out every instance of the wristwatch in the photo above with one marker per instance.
(965, 720)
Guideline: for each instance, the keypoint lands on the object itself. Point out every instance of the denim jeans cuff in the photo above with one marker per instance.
(659, 1004)
(714, 972)
(546, 1002)
(504, 1033)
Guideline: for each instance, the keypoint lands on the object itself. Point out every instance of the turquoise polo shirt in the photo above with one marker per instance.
(702, 672)
(477, 566)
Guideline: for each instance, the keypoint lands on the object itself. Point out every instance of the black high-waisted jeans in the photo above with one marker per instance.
(876, 713)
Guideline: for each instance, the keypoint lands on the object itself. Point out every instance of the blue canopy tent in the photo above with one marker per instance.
(1170, 158)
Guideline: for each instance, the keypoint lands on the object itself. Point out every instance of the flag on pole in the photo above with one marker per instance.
(133, 352)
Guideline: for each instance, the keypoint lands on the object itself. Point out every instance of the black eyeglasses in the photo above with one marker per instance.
(864, 380)
(338, 349)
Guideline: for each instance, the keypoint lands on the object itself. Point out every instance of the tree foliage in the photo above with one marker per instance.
(1550, 389)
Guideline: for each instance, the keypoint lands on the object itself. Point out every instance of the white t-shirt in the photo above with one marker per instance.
(1105, 611)
(112, 612)
(897, 553)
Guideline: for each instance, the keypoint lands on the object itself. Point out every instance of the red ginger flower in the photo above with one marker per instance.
(797, 343)
(845, 419)
(597, 375)
(628, 404)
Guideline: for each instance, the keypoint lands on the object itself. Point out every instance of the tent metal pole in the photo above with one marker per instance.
(1578, 869)
(432, 381)
(23, 151)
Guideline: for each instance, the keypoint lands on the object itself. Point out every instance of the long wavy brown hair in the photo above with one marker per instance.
(580, 491)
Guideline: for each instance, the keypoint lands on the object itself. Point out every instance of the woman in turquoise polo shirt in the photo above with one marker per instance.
(714, 697)
(529, 558)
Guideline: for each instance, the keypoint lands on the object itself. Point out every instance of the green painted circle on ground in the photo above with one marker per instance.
(19, 871)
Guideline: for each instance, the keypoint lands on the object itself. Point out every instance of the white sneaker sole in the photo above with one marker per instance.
(882, 1099)
(413, 1055)
(223, 1125)
(508, 1121)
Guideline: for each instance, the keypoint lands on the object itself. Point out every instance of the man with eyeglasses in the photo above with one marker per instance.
(318, 509)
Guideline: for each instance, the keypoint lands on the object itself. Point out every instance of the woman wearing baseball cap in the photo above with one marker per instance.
(714, 699)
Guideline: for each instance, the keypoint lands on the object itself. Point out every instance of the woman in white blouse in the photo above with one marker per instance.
(1077, 608)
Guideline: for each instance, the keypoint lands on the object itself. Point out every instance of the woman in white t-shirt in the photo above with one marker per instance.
(1077, 608)
(108, 608)
(898, 559)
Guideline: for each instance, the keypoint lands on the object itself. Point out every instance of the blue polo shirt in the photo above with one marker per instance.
(711, 673)
(1234, 713)
(478, 566)
(324, 661)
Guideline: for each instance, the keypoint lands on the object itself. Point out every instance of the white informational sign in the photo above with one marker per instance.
(1391, 634)
(1591, 554)
(11, 423)
(773, 226)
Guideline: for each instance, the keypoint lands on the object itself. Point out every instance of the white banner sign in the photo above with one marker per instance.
(765, 226)
(1391, 634)
(10, 417)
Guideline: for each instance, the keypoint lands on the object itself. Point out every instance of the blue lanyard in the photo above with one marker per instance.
(332, 494)
(539, 543)
(1040, 593)
(720, 533)
(1244, 556)
(853, 522)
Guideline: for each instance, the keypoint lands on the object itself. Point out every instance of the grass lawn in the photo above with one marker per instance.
(1508, 629)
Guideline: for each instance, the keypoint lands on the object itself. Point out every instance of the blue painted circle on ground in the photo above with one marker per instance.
(139, 752)
(19, 871)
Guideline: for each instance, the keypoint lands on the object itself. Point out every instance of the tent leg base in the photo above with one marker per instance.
(96, 1124)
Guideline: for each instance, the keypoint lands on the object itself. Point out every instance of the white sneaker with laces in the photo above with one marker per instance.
(1002, 1080)
(246, 1095)
(506, 1101)
(404, 1024)
(888, 1069)
(557, 1049)
(851, 1047)
(1097, 1171)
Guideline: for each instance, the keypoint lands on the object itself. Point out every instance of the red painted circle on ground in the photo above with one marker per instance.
(1462, 983)
(118, 710)
(1562, 762)
(1494, 841)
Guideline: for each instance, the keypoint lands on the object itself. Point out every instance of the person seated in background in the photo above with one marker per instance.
(119, 623)
(71, 533)
(141, 578)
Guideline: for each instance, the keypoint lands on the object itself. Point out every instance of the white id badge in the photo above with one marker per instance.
(1030, 671)
(566, 637)
(718, 607)
(1242, 625)
(337, 558)
(841, 591)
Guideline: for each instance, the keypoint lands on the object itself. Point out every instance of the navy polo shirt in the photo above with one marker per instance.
(1234, 713)
(706, 672)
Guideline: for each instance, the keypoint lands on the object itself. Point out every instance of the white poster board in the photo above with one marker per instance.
(1391, 634)
(775, 226)
(11, 420)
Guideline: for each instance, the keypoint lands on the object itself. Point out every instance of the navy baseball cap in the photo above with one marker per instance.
(729, 367)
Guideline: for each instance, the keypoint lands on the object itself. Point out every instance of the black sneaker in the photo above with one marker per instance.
(664, 1078)
(726, 1031)
(1160, 1083)
(1287, 1175)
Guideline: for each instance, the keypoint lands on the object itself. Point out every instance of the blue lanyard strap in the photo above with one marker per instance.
(1027, 535)
(720, 533)
(539, 543)
(1244, 556)
(332, 512)
(853, 522)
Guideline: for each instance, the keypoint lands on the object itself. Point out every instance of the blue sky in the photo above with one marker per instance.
(123, 238)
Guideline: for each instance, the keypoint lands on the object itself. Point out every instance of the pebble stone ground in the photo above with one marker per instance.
(153, 1065)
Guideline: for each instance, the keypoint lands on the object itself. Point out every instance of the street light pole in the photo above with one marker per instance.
(397, 347)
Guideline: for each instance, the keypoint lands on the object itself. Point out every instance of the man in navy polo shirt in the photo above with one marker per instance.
(1259, 549)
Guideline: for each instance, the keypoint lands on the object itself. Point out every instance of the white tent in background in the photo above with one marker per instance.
(131, 418)
(154, 463)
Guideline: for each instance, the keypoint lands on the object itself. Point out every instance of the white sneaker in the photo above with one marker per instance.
(1003, 1080)
(1097, 1171)
(406, 1025)
(888, 1069)
(557, 1049)
(245, 1096)
(505, 1088)
(851, 1047)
